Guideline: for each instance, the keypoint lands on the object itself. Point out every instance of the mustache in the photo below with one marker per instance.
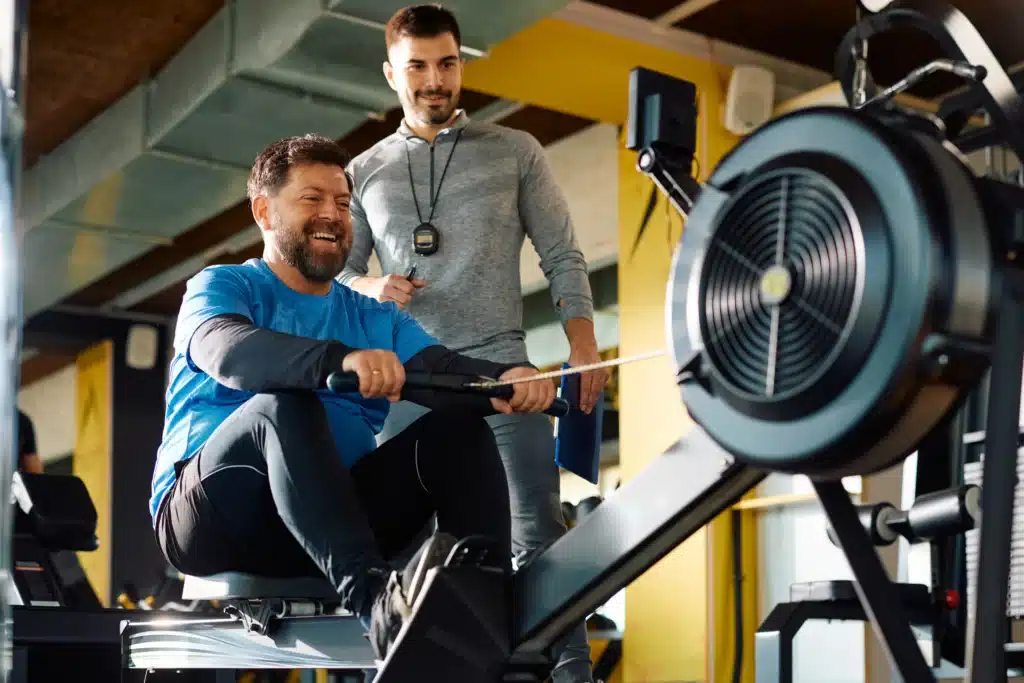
(332, 227)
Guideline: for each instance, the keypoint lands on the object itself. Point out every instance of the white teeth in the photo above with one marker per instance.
(324, 236)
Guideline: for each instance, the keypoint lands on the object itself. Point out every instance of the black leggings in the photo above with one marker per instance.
(268, 494)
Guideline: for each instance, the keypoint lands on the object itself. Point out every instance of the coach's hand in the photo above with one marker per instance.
(390, 288)
(529, 397)
(380, 373)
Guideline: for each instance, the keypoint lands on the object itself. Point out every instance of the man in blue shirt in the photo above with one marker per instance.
(263, 470)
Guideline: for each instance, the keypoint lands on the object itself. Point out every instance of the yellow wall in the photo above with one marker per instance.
(91, 461)
(577, 70)
(676, 609)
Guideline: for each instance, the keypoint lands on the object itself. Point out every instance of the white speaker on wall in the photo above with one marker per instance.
(141, 349)
(750, 99)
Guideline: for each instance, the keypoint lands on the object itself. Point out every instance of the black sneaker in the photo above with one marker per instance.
(396, 602)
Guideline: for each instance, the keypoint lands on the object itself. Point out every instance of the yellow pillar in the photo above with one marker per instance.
(580, 71)
(91, 459)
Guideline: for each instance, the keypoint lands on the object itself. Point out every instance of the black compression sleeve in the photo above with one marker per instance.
(242, 356)
(438, 359)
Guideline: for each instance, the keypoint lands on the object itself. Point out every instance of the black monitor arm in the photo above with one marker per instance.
(672, 176)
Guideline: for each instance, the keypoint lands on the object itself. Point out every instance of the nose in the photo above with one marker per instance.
(329, 211)
(434, 78)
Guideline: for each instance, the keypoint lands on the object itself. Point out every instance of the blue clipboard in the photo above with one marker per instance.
(578, 435)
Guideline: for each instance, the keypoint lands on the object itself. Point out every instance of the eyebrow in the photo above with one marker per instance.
(446, 58)
(346, 193)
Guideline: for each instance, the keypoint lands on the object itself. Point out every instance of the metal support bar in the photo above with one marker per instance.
(678, 493)
(300, 93)
(126, 234)
(986, 656)
(978, 138)
(12, 43)
(773, 641)
(773, 654)
(192, 160)
(878, 595)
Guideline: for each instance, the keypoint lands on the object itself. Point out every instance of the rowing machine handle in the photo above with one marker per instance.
(348, 383)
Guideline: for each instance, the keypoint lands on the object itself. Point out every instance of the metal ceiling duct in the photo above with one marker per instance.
(176, 149)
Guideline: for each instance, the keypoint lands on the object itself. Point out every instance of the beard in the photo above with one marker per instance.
(436, 114)
(295, 243)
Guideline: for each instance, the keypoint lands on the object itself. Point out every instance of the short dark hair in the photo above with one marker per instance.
(270, 170)
(421, 21)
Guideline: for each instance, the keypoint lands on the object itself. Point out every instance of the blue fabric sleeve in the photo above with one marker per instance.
(214, 291)
(409, 337)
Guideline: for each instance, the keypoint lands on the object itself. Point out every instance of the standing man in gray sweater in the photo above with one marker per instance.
(446, 204)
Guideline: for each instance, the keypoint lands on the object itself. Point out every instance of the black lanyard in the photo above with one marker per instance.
(433, 195)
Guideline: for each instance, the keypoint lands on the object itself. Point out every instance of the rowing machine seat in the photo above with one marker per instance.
(241, 586)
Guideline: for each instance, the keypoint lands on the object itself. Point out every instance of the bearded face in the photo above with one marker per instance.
(316, 247)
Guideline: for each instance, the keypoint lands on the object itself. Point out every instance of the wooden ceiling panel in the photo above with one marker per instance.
(42, 365)
(84, 55)
(546, 125)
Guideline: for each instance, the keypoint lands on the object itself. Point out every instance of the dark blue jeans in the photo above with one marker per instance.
(268, 494)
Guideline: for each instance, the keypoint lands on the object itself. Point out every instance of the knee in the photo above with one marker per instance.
(470, 429)
(478, 432)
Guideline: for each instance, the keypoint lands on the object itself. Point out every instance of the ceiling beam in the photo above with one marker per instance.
(790, 76)
(43, 365)
(683, 10)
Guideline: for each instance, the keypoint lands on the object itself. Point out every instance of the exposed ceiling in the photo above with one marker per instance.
(808, 31)
(133, 184)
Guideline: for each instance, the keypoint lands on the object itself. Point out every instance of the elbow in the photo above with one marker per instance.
(226, 367)
(567, 262)
(573, 307)
(229, 371)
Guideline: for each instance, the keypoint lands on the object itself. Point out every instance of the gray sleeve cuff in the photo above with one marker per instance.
(348, 275)
(574, 306)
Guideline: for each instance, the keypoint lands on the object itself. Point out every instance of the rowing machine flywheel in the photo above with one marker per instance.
(833, 295)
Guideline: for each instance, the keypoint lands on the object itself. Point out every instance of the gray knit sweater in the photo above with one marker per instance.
(498, 190)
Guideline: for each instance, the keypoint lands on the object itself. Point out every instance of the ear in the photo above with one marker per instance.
(261, 211)
(389, 75)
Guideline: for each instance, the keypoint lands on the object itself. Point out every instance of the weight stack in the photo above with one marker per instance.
(1015, 596)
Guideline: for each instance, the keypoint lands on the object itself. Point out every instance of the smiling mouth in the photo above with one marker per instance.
(325, 237)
